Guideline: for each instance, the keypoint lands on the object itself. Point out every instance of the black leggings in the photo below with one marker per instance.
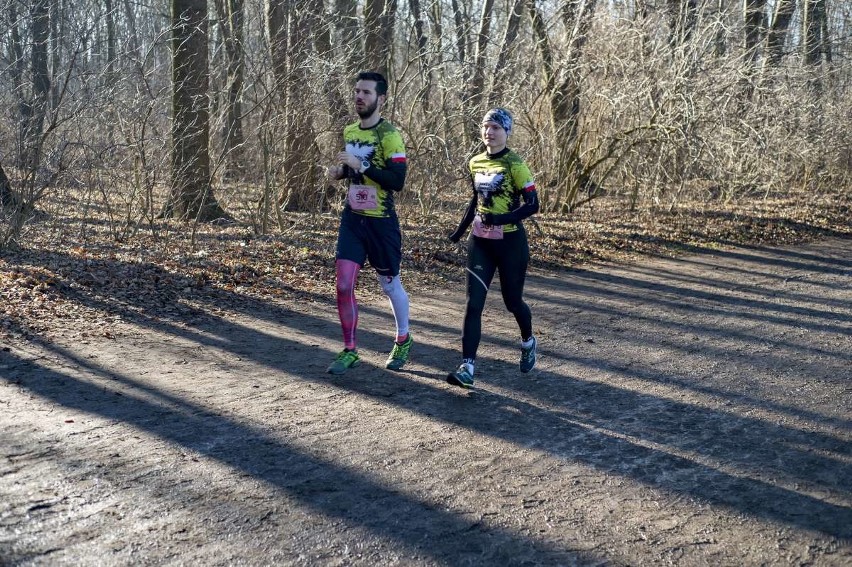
(511, 256)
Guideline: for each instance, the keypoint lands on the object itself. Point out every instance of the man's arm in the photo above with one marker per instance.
(391, 177)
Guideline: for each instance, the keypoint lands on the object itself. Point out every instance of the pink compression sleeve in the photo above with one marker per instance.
(347, 307)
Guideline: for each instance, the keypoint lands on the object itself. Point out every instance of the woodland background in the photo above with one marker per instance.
(167, 288)
(650, 126)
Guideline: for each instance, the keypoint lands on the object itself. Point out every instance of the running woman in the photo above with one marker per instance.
(373, 164)
(503, 195)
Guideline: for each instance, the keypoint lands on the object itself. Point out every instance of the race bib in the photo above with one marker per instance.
(494, 232)
(363, 197)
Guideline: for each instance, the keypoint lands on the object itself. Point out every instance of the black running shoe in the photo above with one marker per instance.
(461, 377)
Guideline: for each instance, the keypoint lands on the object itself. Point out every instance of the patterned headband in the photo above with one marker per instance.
(501, 116)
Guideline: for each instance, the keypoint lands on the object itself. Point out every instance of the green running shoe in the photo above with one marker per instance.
(345, 360)
(399, 354)
(528, 356)
(461, 377)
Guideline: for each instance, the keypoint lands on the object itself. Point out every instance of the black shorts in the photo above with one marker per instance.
(379, 240)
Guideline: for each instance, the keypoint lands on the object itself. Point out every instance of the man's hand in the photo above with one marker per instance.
(335, 172)
(345, 158)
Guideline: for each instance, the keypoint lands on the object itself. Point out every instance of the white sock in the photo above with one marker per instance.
(529, 343)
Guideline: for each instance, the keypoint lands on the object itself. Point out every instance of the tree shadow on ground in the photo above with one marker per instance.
(710, 454)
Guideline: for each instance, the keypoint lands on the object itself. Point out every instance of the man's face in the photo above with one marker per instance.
(367, 102)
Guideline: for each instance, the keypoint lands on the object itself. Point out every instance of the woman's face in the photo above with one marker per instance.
(493, 136)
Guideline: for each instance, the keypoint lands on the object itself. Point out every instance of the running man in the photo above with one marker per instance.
(374, 166)
(503, 195)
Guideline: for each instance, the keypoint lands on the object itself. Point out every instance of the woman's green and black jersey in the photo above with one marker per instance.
(504, 191)
(382, 146)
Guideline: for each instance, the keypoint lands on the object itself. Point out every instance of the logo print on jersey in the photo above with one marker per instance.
(488, 185)
(361, 151)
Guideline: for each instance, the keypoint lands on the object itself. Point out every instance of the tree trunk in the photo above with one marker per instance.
(111, 41)
(8, 198)
(277, 13)
(754, 27)
(231, 17)
(475, 80)
(498, 77)
(347, 22)
(422, 54)
(16, 70)
(721, 43)
(564, 96)
(461, 21)
(299, 174)
(319, 24)
(33, 111)
(813, 20)
(191, 194)
(57, 45)
(379, 17)
(683, 14)
(777, 35)
(477, 85)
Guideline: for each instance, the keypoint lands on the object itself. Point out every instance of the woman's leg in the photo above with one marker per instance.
(480, 272)
(513, 272)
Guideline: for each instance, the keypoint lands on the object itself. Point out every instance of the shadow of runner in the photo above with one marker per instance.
(388, 513)
(577, 437)
(594, 436)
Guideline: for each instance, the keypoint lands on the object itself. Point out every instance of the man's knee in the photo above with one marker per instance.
(347, 275)
(345, 287)
(391, 285)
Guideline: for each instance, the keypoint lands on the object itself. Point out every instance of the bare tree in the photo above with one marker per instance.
(755, 27)
(564, 95)
(34, 109)
(475, 78)
(422, 42)
(510, 34)
(683, 14)
(191, 193)
(777, 34)
(379, 19)
(231, 15)
(813, 25)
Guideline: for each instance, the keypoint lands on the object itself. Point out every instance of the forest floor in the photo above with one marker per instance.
(164, 396)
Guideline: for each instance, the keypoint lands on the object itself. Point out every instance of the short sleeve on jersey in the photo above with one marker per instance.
(393, 147)
(522, 177)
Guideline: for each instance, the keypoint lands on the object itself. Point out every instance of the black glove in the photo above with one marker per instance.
(454, 237)
(487, 219)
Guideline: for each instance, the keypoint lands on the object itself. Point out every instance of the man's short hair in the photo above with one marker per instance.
(381, 82)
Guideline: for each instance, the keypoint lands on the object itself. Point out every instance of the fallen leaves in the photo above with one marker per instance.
(61, 282)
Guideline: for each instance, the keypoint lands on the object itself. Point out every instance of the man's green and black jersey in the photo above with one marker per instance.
(382, 146)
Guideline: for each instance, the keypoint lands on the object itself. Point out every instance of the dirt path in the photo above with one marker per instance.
(691, 411)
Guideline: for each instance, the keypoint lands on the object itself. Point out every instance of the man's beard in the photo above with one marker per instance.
(368, 112)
